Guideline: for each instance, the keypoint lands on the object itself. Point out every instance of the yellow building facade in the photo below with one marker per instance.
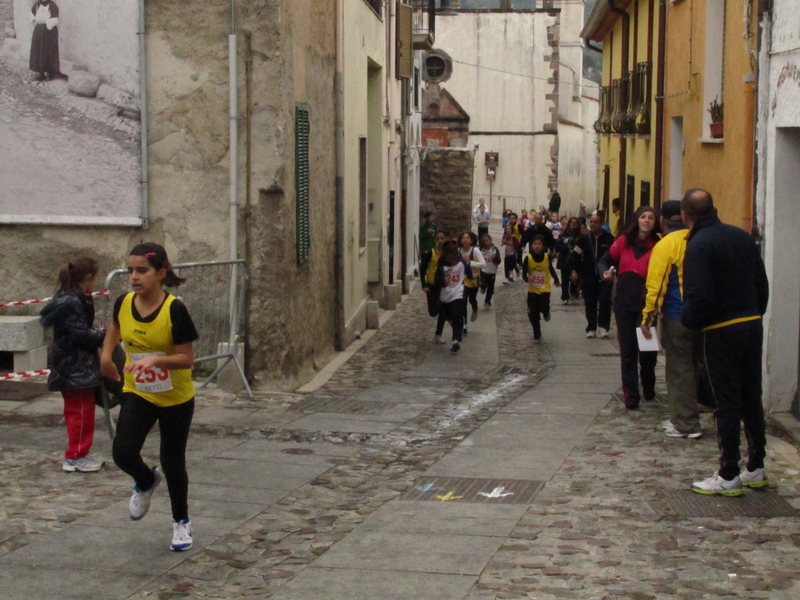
(628, 131)
(708, 58)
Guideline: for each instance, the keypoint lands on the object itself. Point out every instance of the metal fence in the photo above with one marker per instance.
(214, 294)
(499, 203)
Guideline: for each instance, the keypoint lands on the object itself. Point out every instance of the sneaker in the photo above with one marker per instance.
(181, 535)
(85, 464)
(565, 302)
(674, 433)
(437, 339)
(754, 479)
(602, 333)
(140, 501)
(455, 347)
(474, 316)
(667, 424)
(546, 316)
(591, 334)
(716, 485)
(465, 330)
(507, 281)
(483, 290)
(487, 304)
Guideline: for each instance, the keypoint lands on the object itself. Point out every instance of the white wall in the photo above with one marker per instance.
(778, 207)
(100, 35)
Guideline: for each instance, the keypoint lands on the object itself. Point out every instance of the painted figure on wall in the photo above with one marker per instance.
(44, 42)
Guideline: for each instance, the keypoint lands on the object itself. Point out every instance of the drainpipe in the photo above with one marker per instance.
(662, 62)
(591, 46)
(145, 202)
(623, 146)
(340, 232)
(233, 153)
(248, 220)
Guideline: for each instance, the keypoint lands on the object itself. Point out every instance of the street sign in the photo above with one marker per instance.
(492, 159)
(491, 173)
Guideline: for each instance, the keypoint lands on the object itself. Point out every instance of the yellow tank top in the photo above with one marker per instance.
(476, 272)
(538, 275)
(430, 274)
(159, 386)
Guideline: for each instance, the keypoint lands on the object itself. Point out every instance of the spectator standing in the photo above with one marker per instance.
(555, 202)
(427, 233)
(665, 301)
(630, 255)
(44, 57)
(589, 249)
(481, 218)
(725, 294)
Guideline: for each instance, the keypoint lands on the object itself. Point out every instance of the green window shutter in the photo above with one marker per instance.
(302, 131)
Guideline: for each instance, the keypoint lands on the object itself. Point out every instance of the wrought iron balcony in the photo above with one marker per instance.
(424, 23)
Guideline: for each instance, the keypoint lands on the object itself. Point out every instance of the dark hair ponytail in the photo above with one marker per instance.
(73, 274)
(157, 257)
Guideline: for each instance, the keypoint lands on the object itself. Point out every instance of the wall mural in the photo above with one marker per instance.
(70, 112)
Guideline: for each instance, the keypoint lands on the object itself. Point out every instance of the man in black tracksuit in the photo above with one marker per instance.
(725, 295)
(589, 249)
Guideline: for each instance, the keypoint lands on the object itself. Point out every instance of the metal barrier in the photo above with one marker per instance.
(214, 295)
(499, 203)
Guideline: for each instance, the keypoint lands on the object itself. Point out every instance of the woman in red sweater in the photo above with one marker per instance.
(630, 256)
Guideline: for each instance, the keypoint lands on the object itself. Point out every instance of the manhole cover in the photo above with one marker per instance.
(764, 504)
(298, 451)
(21, 391)
(486, 491)
(341, 405)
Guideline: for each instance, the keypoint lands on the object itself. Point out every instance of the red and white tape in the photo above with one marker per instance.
(41, 300)
(24, 374)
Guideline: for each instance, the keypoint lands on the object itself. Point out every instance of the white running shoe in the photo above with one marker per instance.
(591, 334)
(181, 535)
(455, 347)
(667, 424)
(85, 464)
(716, 485)
(754, 479)
(140, 501)
(474, 316)
(674, 433)
(437, 339)
(602, 333)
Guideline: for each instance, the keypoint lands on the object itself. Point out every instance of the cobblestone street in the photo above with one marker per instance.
(510, 470)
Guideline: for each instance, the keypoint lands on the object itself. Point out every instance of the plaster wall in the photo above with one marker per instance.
(293, 45)
(100, 35)
(777, 211)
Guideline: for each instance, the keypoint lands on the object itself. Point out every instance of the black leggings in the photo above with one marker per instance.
(136, 418)
(471, 295)
(433, 299)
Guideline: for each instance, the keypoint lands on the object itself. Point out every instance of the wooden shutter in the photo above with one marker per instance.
(303, 235)
(404, 55)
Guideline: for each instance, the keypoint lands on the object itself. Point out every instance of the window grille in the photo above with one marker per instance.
(303, 233)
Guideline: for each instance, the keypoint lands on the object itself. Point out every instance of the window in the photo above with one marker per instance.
(645, 195)
(362, 192)
(376, 5)
(437, 66)
(714, 66)
(301, 178)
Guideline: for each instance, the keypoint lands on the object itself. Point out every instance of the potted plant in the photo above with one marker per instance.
(717, 112)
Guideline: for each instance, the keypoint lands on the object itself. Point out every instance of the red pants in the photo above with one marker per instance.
(79, 416)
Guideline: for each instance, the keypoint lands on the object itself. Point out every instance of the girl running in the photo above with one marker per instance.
(471, 254)
(566, 261)
(427, 270)
(450, 276)
(74, 369)
(158, 333)
(511, 245)
(491, 256)
(538, 272)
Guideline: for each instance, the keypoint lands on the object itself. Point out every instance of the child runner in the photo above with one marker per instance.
(158, 333)
(538, 272)
(519, 233)
(491, 256)
(511, 244)
(74, 369)
(452, 305)
(427, 272)
(471, 254)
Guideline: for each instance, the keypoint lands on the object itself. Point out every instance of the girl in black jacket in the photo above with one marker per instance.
(73, 362)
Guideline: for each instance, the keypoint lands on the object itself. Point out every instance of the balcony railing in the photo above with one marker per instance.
(424, 23)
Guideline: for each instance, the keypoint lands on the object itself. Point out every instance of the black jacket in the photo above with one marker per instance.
(723, 275)
(589, 249)
(73, 360)
(542, 230)
(555, 203)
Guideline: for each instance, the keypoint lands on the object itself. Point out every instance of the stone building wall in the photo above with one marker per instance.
(446, 188)
(293, 60)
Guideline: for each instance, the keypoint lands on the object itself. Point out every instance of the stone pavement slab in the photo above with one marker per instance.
(528, 463)
(46, 582)
(252, 473)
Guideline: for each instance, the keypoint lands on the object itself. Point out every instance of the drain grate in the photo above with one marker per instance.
(346, 406)
(763, 504)
(485, 491)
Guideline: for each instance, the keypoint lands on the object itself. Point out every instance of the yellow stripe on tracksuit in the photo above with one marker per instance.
(669, 251)
(731, 322)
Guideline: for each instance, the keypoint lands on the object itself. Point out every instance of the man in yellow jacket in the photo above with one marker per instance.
(665, 299)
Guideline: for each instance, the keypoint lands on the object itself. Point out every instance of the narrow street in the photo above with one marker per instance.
(506, 471)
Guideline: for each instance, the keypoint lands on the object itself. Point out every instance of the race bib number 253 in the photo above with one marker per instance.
(154, 379)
